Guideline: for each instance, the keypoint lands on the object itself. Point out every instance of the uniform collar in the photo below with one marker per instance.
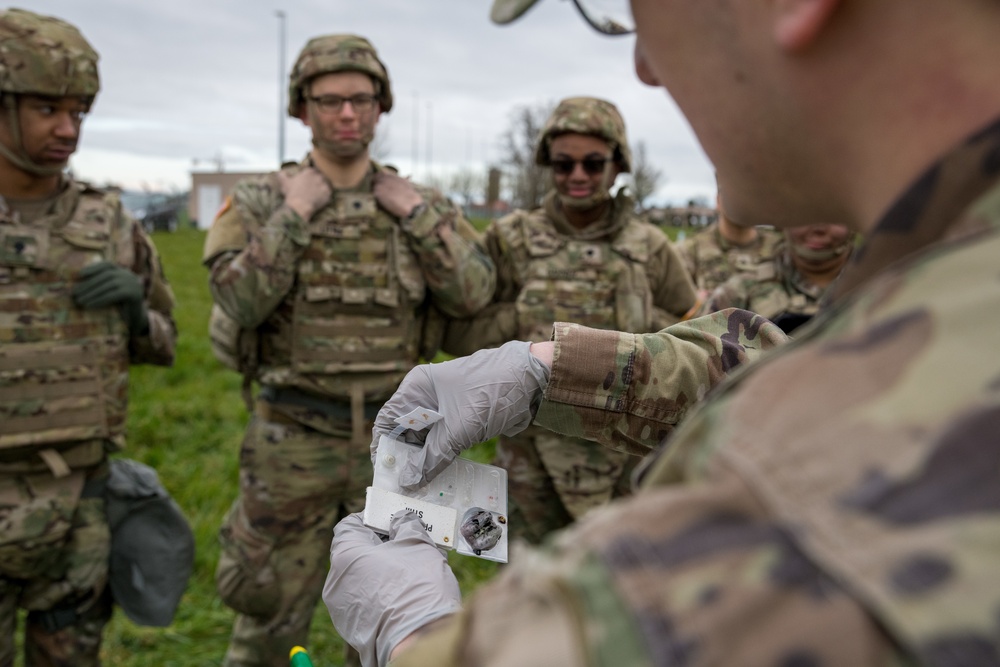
(936, 207)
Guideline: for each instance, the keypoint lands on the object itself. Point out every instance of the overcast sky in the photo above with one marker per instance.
(193, 80)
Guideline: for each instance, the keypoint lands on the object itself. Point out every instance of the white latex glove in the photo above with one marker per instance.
(379, 593)
(490, 393)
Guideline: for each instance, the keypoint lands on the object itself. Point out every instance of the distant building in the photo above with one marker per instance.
(692, 215)
(209, 190)
(155, 211)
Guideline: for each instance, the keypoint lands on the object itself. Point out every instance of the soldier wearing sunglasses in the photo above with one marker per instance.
(584, 257)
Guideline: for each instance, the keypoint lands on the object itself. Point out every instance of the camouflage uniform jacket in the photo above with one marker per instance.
(712, 260)
(345, 299)
(63, 347)
(836, 503)
(617, 273)
(785, 292)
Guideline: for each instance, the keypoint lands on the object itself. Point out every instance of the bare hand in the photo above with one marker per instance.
(396, 194)
(305, 192)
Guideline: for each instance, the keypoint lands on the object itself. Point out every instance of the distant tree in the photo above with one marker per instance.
(526, 181)
(645, 177)
(466, 183)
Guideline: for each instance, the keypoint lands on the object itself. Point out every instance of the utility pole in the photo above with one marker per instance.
(430, 137)
(416, 130)
(281, 86)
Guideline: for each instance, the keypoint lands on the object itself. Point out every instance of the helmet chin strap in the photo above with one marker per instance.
(19, 157)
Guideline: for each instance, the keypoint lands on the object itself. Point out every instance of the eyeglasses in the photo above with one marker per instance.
(592, 166)
(329, 104)
(610, 17)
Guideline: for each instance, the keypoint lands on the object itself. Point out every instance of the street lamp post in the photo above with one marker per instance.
(281, 86)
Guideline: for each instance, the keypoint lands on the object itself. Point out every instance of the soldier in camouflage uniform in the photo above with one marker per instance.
(330, 278)
(789, 293)
(724, 249)
(835, 503)
(82, 296)
(584, 257)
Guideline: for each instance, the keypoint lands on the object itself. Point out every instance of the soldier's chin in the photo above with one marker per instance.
(585, 203)
(52, 165)
(343, 150)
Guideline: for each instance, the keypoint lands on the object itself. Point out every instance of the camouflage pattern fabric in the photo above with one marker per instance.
(301, 469)
(256, 266)
(654, 293)
(712, 260)
(834, 504)
(45, 56)
(53, 556)
(785, 292)
(295, 484)
(54, 541)
(618, 273)
(554, 480)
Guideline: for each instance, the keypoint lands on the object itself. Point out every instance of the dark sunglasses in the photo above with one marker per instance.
(592, 166)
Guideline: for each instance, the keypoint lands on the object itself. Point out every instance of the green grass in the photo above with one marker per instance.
(187, 422)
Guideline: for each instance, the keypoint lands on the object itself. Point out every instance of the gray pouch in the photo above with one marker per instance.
(152, 546)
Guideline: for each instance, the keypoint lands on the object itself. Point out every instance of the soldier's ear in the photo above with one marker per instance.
(303, 115)
(798, 23)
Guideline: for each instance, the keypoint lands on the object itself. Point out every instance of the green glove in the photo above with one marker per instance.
(105, 284)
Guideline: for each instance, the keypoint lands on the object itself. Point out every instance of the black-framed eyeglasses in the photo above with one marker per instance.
(609, 17)
(592, 166)
(362, 102)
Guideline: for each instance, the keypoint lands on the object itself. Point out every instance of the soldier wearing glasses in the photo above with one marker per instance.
(326, 276)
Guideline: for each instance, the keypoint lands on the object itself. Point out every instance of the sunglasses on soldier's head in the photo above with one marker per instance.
(592, 166)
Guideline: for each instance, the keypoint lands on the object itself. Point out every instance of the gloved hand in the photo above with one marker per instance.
(105, 284)
(306, 192)
(490, 393)
(378, 593)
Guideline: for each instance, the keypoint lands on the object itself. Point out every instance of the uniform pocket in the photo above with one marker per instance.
(245, 578)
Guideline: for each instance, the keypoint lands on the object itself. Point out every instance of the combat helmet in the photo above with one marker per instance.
(337, 53)
(41, 55)
(586, 115)
(44, 55)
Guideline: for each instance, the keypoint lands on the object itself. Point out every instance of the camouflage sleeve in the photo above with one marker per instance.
(674, 295)
(628, 391)
(695, 579)
(460, 276)
(249, 282)
(158, 344)
(495, 324)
